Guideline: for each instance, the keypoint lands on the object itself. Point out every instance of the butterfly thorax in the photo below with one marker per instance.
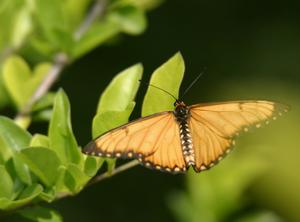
(182, 115)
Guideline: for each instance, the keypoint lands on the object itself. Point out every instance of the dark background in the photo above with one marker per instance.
(251, 49)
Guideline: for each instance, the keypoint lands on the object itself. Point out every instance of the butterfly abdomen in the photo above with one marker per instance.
(182, 114)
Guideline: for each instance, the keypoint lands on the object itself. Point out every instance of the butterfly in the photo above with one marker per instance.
(197, 136)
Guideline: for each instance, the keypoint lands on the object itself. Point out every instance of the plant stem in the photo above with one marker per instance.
(117, 170)
(97, 10)
(60, 61)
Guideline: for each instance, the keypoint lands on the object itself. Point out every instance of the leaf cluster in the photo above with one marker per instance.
(38, 167)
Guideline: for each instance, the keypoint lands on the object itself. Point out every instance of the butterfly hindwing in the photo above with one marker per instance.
(168, 155)
(214, 125)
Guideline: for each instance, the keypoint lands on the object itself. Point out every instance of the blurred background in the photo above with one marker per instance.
(251, 50)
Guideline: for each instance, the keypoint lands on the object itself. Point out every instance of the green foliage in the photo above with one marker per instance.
(117, 102)
(99, 33)
(61, 137)
(20, 81)
(44, 167)
(43, 162)
(167, 77)
(41, 214)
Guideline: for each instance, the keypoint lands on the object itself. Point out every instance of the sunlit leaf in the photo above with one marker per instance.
(168, 77)
(39, 140)
(20, 81)
(4, 96)
(12, 137)
(117, 102)
(92, 164)
(98, 33)
(22, 26)
(6, 183)
(131, 20)
(75, 179)
(26, 196)
(43, 162)
(62, 139)
(121, 91)
(117, 118)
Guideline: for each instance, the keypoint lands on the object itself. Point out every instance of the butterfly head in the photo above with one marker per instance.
(181, 109)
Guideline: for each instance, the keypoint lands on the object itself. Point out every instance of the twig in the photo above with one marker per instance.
(97, 10)
(117, 170)
(5, 53)
(61, 60)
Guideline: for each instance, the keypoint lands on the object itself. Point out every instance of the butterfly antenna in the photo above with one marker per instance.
(193, 83)
(156, 87)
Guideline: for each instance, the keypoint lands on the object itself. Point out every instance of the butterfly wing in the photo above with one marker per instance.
(214, 125)
(153, 140)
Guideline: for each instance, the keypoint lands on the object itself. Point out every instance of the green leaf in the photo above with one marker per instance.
(75, 11)
(56, 31)
(44, 103)
(62, 139)
(22, 27)
(26, 196)
(20, 82)
(43, 162)
(168, 77)
(6, 183)
(42, 116)
(12, 171)
(11, 10)
(110, 119)
(121, 91)
(12, 137)
(4, 96)
(75, 179)
(39, 140)
(21, 169)
(117, 102)
(48, 194)
(46, 10)
(97, 34)
(132, 20)
(15, 73)
(41, 214)
(92, 164)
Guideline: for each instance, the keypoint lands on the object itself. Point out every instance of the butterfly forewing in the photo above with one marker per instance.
(214, 125)
(153, 140)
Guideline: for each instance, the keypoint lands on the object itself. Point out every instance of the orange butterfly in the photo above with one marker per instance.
(197, 136)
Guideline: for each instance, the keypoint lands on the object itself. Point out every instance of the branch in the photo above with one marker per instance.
(6, 53)
(97, 11)
(117, 170)
(61, 60)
